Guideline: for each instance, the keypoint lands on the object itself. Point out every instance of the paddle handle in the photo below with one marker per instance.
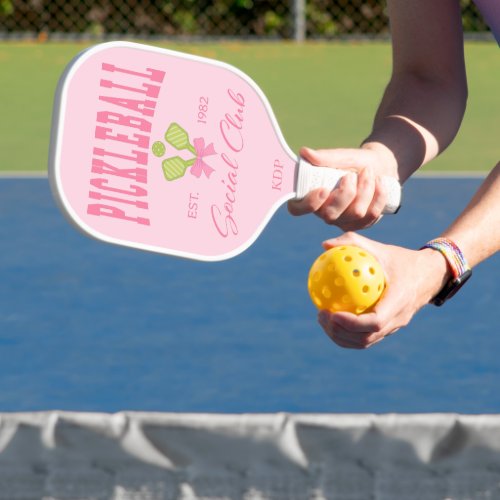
(311, 177)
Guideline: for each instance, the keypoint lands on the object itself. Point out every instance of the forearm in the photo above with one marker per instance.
(477, 230)
(424, 102)
(416, 121)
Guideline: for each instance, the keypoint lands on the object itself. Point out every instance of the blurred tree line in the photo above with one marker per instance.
(205, 18)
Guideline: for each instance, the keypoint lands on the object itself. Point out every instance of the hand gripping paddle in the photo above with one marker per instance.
(172, 153)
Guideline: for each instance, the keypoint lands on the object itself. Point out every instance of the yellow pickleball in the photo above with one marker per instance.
(346, 278)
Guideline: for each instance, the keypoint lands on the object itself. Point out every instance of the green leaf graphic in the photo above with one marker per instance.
(178, 138)
(175, 168)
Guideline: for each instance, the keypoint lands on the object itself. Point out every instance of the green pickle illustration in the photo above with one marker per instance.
(179, 138)
(175, 168)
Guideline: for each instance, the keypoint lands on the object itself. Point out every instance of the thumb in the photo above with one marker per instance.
(348, 238)
(336, 158)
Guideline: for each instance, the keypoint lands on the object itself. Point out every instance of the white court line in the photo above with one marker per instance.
(22, 175)
(453, 174)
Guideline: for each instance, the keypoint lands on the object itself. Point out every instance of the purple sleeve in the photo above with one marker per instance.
(490, 9)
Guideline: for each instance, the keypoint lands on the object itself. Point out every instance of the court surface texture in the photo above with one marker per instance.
(86, 326)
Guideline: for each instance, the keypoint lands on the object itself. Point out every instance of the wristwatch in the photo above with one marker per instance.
(460, 270)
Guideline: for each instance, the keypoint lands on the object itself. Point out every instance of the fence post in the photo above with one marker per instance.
(299, 20)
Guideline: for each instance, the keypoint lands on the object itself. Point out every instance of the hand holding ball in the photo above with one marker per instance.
(346, 278)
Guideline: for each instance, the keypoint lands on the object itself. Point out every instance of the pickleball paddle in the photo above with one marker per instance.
(173, 153)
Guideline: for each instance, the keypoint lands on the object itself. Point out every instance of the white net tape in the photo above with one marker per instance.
(160, 456)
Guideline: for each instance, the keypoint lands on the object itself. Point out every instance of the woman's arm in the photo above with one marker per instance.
(419, 115)
(414, 277)
(477, 230)
(424, 103)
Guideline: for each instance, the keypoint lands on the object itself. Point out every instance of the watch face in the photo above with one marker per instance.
(451, 288)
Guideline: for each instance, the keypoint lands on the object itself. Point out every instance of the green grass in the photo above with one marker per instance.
(323, 94)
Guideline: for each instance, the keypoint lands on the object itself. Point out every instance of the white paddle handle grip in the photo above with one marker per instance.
(310, 177)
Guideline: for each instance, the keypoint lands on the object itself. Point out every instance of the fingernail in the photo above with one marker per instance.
(305, 150)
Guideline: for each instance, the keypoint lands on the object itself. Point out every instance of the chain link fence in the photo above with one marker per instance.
(283, 19)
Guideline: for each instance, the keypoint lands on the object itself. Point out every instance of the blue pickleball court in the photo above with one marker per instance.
(86, 326)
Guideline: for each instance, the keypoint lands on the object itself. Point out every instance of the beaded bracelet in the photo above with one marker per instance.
(459, 267)
(452, 254)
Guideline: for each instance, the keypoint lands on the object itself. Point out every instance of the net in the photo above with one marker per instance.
(159, 456)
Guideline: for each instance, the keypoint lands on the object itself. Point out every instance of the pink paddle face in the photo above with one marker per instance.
(166, 152)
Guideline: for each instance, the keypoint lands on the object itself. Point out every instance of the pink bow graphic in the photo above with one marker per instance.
(200, 166)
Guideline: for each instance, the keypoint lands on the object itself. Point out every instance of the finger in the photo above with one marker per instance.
(314, 201)
(342, 340)
(348, 238)
(343, 343)
(374, 211)
(357, 215)
(362, 340)
(362, 336)
(362, 324)
(339, 199)
(364, 195)
(310, 203)
(379, 198)
(354, 340)
(382, 321)
(349, 158)
(340, 335)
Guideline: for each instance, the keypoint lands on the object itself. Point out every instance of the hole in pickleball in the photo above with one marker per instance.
(317, 300)
(339, 281)
(379, 287)
(362, 254)
(372, 270)
(366, 289)
(317, 276)
(346, 299)
(327, 293)
(348, 258)
(356, 273)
